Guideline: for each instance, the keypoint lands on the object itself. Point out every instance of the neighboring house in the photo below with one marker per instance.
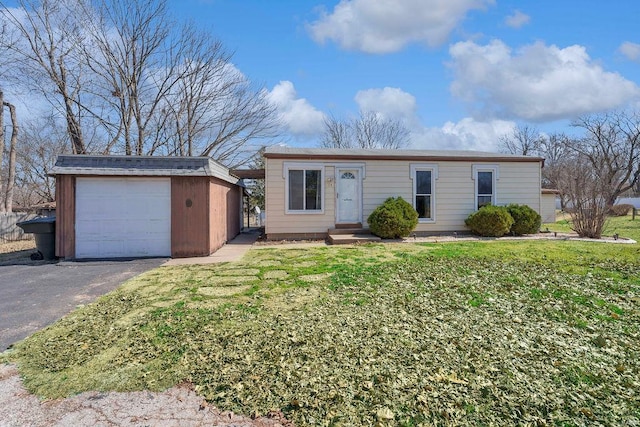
(41, 209)
(310, 191)
(139, 206)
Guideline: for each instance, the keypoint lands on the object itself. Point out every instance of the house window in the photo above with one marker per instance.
(485, 178)
(348, 175)
(424, 177)
(304, 193)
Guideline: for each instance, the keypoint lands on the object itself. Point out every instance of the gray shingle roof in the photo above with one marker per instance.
(141, 166)
(328, 153)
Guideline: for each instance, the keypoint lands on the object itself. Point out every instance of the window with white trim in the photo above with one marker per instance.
(304, 189)
(424, 177)
(485, 184)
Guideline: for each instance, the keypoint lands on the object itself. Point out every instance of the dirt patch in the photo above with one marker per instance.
(275, 274)
(18, 252)
(17, 246)
(178, 406)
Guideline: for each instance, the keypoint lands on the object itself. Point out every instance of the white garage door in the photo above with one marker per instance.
(123, 217)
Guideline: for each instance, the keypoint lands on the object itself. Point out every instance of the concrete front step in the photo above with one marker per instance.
(349, 225)
(355, 230)
(345, 239)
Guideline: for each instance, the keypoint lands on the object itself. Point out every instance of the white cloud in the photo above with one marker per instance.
(390, 102)
(537, 83)
(467, 134)
(383, 26)
(630, 50)
(517, 20)
(296, 114)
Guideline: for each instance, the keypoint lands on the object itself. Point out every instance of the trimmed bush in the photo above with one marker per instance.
(620, 210)
(490, 221)
(525, 219)
(392, 219)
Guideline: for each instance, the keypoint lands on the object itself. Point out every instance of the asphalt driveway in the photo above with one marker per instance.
(34, 296)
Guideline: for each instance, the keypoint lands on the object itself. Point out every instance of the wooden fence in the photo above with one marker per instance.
(9, 231)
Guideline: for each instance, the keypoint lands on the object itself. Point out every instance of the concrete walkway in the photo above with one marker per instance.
(232, 251)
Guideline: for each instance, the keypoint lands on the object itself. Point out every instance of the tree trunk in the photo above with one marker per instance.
(11, 176)
(1, 143)
(73, 127)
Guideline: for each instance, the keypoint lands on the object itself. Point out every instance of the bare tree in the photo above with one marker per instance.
(8, 183)
(337, 133)
(191, 106)
(611, 146)
(137, 58)
(39, 144)
(524, 140)
(594, 170)
(587, 196)
(374, 131)
(44, 42)
(368, 130)
(1, 140)
(245, 114)
(557, 162)
(11, 174)
(131, 80)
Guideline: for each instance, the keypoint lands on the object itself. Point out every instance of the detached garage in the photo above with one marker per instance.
(125, 206)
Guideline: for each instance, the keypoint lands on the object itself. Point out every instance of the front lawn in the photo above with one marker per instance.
(624, 226)
(478, 333)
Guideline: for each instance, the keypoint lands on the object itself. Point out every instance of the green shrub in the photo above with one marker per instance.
(392, 219)
(620, 210)
(490, 221)
(525, 219)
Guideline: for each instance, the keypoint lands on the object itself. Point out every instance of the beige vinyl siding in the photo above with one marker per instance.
(278, 221)
(384, 179)
(520, 183)
(454, 195)
(548, 213)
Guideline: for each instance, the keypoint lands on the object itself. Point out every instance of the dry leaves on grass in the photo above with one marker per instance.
(422, 340)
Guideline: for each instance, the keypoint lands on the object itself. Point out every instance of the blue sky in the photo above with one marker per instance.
(460, 73)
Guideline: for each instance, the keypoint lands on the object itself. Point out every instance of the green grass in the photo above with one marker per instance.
(478, 333)
(623, 226)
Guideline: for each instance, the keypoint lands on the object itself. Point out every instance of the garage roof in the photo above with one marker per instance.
(81, 164)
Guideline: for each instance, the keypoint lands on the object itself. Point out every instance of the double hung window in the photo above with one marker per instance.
(485, 177)
(424, 177)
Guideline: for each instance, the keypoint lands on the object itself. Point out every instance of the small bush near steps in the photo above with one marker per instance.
(525, 219)
(393, 219)
(490, 221)
(620, 210)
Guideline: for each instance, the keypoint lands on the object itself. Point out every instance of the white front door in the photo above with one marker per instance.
(348, 195)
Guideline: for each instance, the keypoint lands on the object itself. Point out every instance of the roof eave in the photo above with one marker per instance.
(298, 156)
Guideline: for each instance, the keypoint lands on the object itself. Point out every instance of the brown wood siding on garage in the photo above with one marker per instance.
(65, 216)
(224, 213)
(234, 201)
(189, 224)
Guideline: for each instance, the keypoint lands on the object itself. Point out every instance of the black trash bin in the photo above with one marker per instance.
(44, 230)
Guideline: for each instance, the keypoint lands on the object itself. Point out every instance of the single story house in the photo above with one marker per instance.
(310, 191)
(142, 206)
